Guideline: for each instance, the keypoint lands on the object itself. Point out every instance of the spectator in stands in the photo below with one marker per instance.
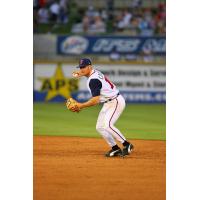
(160, 19)
(117, 22)
(161, 27)
(161, 11)
(142, 24)
(99, 25)
(64, 5)
(86, 23)
(35, 4)
(122, 20)
(148, 15)
(63, 18)
(136, 3)
(43, 15)
(42, 3)
(125, 19)
(35, 19)
(92, 22)
(104, 15)
(89, 18)
(91, 12)
(54, 11)
(146, 24)
(134, 26)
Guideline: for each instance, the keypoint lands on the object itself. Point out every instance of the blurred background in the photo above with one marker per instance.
(125, 39)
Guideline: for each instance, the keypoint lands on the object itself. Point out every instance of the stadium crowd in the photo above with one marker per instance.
(46, 11)
(134, 20)
(141, 21)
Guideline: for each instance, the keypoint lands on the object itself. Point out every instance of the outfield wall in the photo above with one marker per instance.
(48, 46)
(137, 83)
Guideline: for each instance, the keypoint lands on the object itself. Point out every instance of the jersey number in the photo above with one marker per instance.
(107, 80)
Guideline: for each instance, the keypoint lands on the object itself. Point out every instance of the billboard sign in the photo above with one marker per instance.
(76, 45)
(141, 84)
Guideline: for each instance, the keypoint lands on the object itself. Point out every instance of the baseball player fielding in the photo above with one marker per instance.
(105, 92)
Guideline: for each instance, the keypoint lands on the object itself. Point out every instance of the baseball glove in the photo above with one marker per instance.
(72, 105)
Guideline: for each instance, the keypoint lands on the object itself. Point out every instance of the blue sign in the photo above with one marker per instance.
(130, 97)
(76, 45)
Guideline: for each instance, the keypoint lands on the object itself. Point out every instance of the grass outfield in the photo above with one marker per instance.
(138, 121)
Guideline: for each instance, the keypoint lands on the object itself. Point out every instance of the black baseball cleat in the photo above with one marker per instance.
(127, 149)
(113, 153)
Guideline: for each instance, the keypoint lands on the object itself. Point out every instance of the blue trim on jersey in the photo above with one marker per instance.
(95, 87)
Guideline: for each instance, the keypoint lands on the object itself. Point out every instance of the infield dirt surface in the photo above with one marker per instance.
(74, 168)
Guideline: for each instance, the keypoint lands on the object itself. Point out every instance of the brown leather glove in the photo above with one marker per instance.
(71, 105)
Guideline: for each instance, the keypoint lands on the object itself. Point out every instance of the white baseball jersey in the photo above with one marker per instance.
(99, 85)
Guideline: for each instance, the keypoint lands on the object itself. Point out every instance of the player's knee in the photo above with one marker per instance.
(101, 127)
(106, 126)
(98, 127)
(110, 126)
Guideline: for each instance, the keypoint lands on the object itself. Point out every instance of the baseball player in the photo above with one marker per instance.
(104, 91)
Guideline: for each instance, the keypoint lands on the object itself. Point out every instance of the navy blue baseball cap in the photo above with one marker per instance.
(84, 62)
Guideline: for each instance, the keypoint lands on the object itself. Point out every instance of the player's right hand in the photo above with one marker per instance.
(76, 74)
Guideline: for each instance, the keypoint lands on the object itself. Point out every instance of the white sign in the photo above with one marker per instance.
(125, 77)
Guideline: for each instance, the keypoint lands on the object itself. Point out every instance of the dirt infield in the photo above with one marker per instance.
(73, 168)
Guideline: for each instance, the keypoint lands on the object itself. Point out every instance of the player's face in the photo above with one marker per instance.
(85, 71)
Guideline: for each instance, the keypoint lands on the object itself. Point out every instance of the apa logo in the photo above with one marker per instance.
(58, 84)
(74, 45)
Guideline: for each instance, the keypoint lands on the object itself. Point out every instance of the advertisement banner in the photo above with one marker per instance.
(76, 45)
(139, 84)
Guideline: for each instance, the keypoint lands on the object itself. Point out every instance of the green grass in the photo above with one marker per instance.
(138, 121)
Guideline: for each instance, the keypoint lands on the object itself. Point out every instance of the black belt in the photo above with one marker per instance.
(112, 99)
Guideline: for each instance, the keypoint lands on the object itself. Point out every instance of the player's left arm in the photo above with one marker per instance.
(91, 102)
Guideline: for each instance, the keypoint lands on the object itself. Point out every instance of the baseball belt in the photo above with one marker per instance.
(112, 98)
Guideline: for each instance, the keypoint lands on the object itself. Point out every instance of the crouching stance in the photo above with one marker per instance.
(104, 91)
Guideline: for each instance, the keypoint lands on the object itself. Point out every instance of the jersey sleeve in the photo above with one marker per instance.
(95, 87)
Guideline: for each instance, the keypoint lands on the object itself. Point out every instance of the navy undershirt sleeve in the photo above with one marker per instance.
(95, 87)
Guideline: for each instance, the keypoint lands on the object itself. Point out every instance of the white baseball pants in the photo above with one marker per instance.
(108, 115)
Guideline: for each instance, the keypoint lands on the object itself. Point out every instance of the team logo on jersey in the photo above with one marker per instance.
(58, 84)
(74, 45)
